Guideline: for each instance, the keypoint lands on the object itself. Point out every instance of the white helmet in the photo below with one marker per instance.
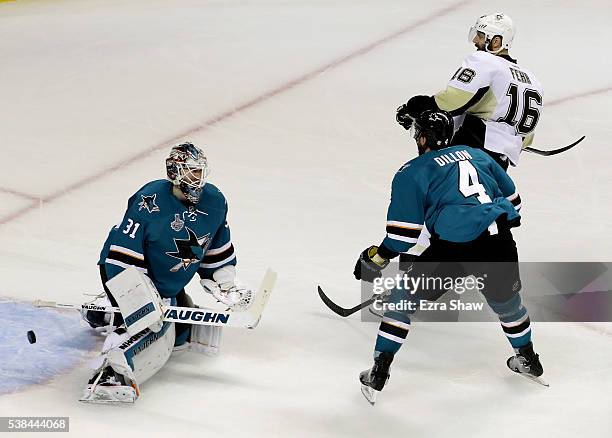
(498, 24)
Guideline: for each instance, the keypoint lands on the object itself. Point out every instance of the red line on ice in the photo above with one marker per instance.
(225, 115)
(245, 106)
(590, 93)
(19, 194)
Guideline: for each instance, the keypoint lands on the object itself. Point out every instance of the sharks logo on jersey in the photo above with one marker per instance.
(189, 251)
(148, 202)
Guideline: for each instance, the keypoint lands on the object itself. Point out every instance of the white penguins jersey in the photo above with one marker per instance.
(506, 96)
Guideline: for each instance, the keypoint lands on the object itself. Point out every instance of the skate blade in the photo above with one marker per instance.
(369, 393)
(112, 396)
(535, 379)
(101, 401)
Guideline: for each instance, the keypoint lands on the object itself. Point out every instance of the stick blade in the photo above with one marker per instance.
(341, 310)
(555, 151)
(331, 305)
(263, 295)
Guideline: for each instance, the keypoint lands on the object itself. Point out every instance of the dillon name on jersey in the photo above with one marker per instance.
(506, 96)
(457, 192)
(170, 240)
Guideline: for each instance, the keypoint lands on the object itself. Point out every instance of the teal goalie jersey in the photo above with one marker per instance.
(457, 192)
(170, 240)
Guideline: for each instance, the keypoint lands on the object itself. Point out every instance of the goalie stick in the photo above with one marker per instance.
(194, 315)
(554, 151)
(341, 310)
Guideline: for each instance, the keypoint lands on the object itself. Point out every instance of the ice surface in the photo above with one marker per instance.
(306, 165)
(62, 343)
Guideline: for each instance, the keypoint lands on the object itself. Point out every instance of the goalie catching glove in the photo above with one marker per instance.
(225, 290)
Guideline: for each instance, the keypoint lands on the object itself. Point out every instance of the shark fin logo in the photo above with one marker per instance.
(189, 251)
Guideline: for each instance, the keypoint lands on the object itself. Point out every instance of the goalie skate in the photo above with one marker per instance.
(108, 387)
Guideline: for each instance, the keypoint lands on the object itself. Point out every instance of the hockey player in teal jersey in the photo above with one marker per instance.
(469, 204)
(171, 230)
(171, 237)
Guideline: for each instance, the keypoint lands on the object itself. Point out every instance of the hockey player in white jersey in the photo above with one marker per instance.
(495, 101)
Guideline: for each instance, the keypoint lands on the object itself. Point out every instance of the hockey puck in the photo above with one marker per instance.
(31, 337)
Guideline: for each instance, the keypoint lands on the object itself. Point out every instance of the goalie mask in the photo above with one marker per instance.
(492, 25)
(187, 168)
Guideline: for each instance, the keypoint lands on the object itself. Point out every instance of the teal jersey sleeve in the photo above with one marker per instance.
(126, 241)
(406, 212)
(220, 252)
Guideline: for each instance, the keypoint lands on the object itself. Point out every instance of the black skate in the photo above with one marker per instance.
(375, 379)
(527, 363)
(107, 386)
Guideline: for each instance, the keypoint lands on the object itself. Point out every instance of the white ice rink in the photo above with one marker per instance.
(294, 103)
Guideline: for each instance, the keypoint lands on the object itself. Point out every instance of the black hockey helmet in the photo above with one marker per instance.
(436, 126)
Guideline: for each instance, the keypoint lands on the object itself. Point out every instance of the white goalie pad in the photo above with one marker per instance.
(205, 339)
(138, 300)
(136, 358)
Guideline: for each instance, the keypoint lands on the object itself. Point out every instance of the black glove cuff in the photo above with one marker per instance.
(417, 104)
(386, 253)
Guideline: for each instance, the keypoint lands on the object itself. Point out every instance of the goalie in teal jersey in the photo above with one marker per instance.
(469, 204)
(172, 229)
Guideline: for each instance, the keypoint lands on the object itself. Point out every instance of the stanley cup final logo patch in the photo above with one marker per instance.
(177, 224)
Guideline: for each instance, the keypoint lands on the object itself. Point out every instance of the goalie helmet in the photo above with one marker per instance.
(436, 126)
(187, 168)
(498, 24)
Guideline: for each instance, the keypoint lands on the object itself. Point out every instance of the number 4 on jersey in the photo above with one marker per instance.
(469, 184)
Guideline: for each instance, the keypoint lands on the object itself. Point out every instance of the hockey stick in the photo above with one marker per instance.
(554, 151)
(194, 315)
(185, 315)
(341, 310)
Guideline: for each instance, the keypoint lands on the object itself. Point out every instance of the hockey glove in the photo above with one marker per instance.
(413, 108)
(369, 264)
(403, 118)
(225, 290)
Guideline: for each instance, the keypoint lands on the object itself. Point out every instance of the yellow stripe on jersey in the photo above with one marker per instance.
(485, 107)
(452, 98)
(528, 139)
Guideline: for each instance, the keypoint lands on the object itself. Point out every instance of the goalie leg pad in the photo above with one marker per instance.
(138, 300)
(137, 358)
(205, 339)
